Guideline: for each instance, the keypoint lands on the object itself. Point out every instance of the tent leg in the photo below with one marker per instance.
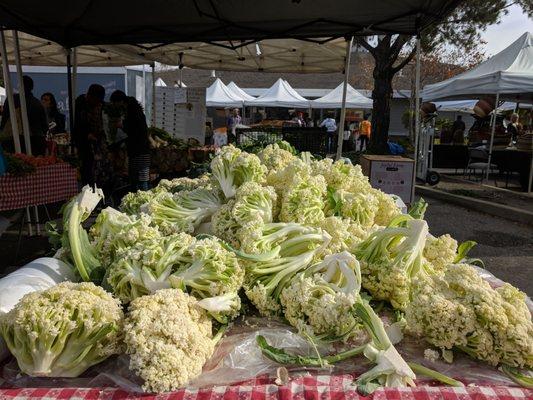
(74, 79)
(9, 93)
(340, 135)
(22, 95)
(417, 114)
(153, 94)
(70, 92)
(530, 175)
(492, 130)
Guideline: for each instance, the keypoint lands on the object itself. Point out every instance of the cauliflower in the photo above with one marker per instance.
(274, 157)
(232, 167)
(303, 199)
(360, 207)
(342, 176)
(319, 300)
(440, 252)
(390, 257)
(114, 232)
(458, 309)
(183, 211)
(62, 331)
(282, 178)
(168, 337)
(178, 184)
(253, 205)
(131, 203)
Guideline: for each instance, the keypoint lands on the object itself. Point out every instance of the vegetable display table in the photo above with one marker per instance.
(48, 184)
(309, 387)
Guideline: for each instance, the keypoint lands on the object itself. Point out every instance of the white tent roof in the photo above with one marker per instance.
(467, 106)
(280, 94)
(333, 99)
(510, 73)
(239, 92)
(160, 82)
(218, 95)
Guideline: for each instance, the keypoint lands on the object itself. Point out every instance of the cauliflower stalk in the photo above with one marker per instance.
(62, 331)
(168, 337)
(459, 310)
(77, 249)
(390, 257)
(232, 167)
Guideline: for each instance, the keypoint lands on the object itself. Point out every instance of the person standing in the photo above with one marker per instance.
(513, 128)
(331, 128)
(458, 129)
(365, 130)
(36, 118)
(90, 139)
(233, 121)
(55, 119)
(137, 143)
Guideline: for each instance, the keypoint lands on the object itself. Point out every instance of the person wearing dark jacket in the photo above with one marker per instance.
(56, 120)
(138, 146)
(36, 118)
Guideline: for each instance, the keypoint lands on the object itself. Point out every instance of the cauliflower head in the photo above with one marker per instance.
(132, 202)
(62, 331)
(303, 199)
(440, 251)
(458, 309)
(168, 337)
(274, 157)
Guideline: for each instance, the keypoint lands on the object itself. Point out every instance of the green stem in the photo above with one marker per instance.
(420, 369)
(220, 334)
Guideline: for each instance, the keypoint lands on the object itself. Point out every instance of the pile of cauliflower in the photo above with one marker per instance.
(306, 240)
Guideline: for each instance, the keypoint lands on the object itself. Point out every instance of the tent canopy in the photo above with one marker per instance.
(94, 22)
(218, 95)
(467, 106)
(160, 83)
(333, 99)
(280, 94)
(239, 92)
(510, 73)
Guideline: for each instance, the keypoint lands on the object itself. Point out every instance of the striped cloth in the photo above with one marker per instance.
(140, 168)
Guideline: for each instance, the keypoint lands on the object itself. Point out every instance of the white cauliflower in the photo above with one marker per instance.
(440, 252)
(168, 337)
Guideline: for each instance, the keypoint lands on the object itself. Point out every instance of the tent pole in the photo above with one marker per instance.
(70, 92)
(340, 135)
(417, 114)
(144, 87)
(9, 94)
(22, 95)
(530, 175)
(74, 78)
(492, 130)
(153, 94)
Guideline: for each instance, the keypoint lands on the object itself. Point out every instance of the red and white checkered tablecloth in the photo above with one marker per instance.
(323, 387)
(49, 184)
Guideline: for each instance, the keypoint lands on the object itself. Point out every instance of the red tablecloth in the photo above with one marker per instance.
(325, 387)
(49, 184)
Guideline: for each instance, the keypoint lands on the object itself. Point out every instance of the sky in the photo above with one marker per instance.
(511, 27)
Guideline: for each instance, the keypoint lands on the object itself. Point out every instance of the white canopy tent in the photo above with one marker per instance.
(239, 92)
(509, 73)
(280, 94)
(218, 95)
(333, 99)
(160, 83)
(467, 106)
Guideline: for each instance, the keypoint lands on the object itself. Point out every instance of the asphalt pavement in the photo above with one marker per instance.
(506, 247)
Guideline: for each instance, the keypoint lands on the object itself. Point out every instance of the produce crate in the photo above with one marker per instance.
(313, 140)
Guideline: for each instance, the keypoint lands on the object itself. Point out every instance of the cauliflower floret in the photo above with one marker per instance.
(342, 176)
(431, 355)
(132, 202)
(440, 252)
(387, 208)
(360, 207)
(178, 184)
(345, 234)
(62, 331)
(168, 337)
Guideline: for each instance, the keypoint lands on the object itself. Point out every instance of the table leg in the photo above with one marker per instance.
(28, 216)
(37, 226)
(19, 241)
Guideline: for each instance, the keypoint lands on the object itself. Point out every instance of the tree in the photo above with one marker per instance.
(461, 30)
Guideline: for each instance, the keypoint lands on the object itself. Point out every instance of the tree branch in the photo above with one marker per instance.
(405, 61)
(361, 41)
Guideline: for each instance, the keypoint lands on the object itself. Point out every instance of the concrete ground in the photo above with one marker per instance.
(506, 247)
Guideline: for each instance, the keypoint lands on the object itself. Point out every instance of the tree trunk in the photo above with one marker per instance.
(381, 95)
